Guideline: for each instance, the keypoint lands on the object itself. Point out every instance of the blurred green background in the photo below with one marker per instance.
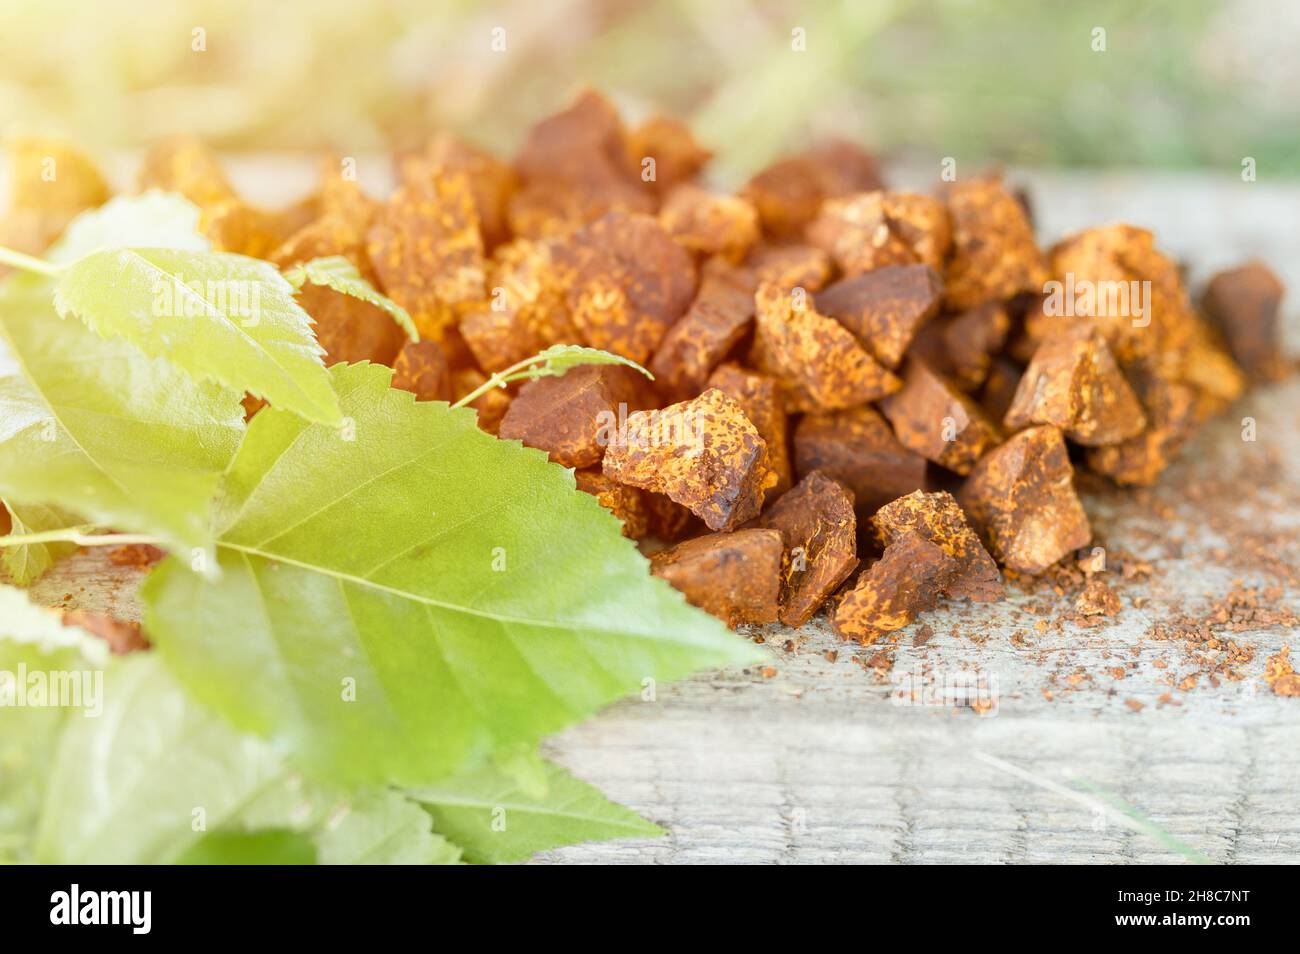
(1192, 83)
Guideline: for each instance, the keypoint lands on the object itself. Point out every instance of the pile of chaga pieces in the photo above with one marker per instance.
(847, 379)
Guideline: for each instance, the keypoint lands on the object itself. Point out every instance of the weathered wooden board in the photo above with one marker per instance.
(820, 763)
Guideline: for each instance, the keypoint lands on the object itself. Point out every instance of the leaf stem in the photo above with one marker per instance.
(28, 263)
(79, 536)
(554, 360)
(498, 380)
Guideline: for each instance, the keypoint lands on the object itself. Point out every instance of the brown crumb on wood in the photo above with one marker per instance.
(1280, 676)
(1097, 599)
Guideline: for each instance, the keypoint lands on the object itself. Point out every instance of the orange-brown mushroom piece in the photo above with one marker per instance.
(885, 308)
(907, 580)
(573, 416)
(820, 361)
(819, 529)
(702, 453)
(1075, 384)
(857, 448)
(994, 255)
(1021, 499)
(734, 576)
(933, 418)
(938, 518)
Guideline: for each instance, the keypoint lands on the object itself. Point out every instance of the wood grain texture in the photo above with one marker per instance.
(819, 763)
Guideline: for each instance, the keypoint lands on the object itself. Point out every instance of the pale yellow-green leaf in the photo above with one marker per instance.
(142, 784)
(338, 273)
(93, 426)
(27, 562)
(151, 220)
(404, 599)
(218, 317)
(34, 640)
(494, 820)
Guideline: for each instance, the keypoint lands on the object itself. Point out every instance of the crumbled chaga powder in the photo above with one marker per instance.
(1097, 599)
(1279, 675)
(1205, 636)
(865, 400)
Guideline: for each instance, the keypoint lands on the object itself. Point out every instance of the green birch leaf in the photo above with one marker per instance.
(404, 597)
(382, 828)
(219, 317)
(338, 273)
(94, 426)
(372, 826)
(34, 638)
(151, 220)
(525, 767)
(494, 820)
(129, 787)
(272, 846)
(557, 359)
(159, 779)
(27, 562)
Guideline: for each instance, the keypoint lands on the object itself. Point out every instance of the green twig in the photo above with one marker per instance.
(498, 380)
(28, 263)
(77, 535)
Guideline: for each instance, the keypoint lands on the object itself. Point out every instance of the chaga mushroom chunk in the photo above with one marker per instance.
(760, 399)
(820, 362)
(703, 453)
(734, 576)
(348, 329)
(1171, 417)
(877, 229)
(994, 255)
(939, 519)
(628, 504)
(1000, 387)
(884, 308)
(186, 165)
(1100, 275)
(904, 582)
(721, 315)
(528, 312)
(426, 248)
(631, 282)
(243, 229)
(585, 142)
(1206, 366)
(576, 167)
(963, 347)
(708, 223)
(1021, 499)
(421, 368)
(677, 156)
(1244, 303)
(492, 181)
(571, 416)
(1074, 383)
(788, 194)
(819, 530)
(857, 448)
(789, 266)
(933, 418)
